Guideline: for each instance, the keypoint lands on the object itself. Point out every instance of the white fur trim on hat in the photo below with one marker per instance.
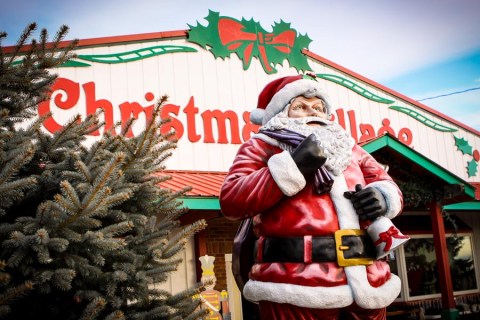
(302, 296)
(286, 174)
(256, 116)
(301, 87)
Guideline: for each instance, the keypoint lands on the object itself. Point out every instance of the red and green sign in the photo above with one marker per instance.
(248, 39)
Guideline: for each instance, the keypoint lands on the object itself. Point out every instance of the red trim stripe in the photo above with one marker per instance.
(307, 249)
(114, 39)
(260, 242)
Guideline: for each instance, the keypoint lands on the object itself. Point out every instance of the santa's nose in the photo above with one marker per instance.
(313, 112)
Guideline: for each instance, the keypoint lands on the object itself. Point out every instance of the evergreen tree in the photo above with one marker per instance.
(85, 232)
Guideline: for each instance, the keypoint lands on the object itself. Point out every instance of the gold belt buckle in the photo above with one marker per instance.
(340, 248)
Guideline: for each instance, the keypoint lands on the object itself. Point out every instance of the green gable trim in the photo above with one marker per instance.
(420, 160)
(128, 56)
(470, 206)
(201, 203)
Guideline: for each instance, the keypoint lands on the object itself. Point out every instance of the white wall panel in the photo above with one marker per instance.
(185, 275)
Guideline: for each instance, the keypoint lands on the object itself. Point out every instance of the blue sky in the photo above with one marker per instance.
(422, 49)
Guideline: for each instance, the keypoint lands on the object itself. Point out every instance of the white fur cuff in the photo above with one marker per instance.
(302, 296)
(391, 195)
(369, 297)
(286, 174)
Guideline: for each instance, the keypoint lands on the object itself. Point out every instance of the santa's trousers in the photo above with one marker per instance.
(282, 311)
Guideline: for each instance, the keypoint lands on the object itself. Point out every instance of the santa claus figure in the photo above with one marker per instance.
(312, 193)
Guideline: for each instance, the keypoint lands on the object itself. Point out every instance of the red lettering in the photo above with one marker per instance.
(221, 117)
(367, 131)
(93, 105)
(353, 124)
(405, 136)
(341, 118)
(249, 127)
(386, 128)
(65, 95)
(65, 102)
(173, 123)
(131, 110)
(191, 111)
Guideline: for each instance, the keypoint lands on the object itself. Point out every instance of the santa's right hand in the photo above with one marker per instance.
(369, 203)
(309, 156)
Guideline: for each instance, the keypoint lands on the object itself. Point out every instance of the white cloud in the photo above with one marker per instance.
(378, 39)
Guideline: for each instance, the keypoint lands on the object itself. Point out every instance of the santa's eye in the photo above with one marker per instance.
(320, 108)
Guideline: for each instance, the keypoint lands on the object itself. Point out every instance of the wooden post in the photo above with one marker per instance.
(441, 251)
(200, 242)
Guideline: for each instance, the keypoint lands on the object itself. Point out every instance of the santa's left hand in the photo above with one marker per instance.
(369, 203)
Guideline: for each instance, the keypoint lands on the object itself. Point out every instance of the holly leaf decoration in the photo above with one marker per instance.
(299, 61)
(472, 168)
(208, 36)
(247, 39)
(463, 145)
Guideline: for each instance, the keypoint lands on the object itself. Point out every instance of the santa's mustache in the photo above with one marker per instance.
(311, 120)
(335, 141)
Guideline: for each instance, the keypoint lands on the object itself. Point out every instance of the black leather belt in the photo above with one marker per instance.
(346, 247)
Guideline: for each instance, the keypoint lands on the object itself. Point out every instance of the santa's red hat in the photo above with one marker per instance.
(277, 95)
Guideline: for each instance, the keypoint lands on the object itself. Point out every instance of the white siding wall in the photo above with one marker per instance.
(217, 84)
(185, 276)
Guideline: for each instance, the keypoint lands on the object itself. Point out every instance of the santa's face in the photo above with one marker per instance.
(301, 107)
(305, 116)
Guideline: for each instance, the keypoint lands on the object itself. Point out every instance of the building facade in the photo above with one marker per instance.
(213, 74)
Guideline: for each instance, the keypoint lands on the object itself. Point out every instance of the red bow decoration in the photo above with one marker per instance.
(232, 35)
(387, 236)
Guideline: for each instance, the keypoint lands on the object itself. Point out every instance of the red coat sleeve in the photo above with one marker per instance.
(249, 187)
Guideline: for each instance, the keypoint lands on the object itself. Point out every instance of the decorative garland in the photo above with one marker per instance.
(416, 193)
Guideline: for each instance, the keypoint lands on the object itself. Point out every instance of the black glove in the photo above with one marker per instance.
(369, 203)
(308, 156)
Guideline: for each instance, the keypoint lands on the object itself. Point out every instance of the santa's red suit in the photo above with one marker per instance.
(298, 268)
(264, 182)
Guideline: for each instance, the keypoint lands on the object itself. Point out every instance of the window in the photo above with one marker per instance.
(419, 271)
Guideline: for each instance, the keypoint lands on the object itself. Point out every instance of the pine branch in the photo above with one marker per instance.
(116, 315)
(93, 309)
(14, 293)
(91, 225)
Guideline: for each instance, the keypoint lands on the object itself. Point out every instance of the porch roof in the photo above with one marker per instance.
(392, 151)
(205, 187)
(206, 184)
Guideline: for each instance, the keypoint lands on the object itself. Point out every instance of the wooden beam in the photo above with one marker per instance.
(200, 240)
(441, 252)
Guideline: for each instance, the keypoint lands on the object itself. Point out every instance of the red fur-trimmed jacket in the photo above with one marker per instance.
(265, 183)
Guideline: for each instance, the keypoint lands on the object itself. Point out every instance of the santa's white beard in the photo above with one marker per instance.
(336, 142)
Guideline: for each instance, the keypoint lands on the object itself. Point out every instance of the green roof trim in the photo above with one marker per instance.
(213, 203)
(201, 203)
(469, 206)
(424, 162)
